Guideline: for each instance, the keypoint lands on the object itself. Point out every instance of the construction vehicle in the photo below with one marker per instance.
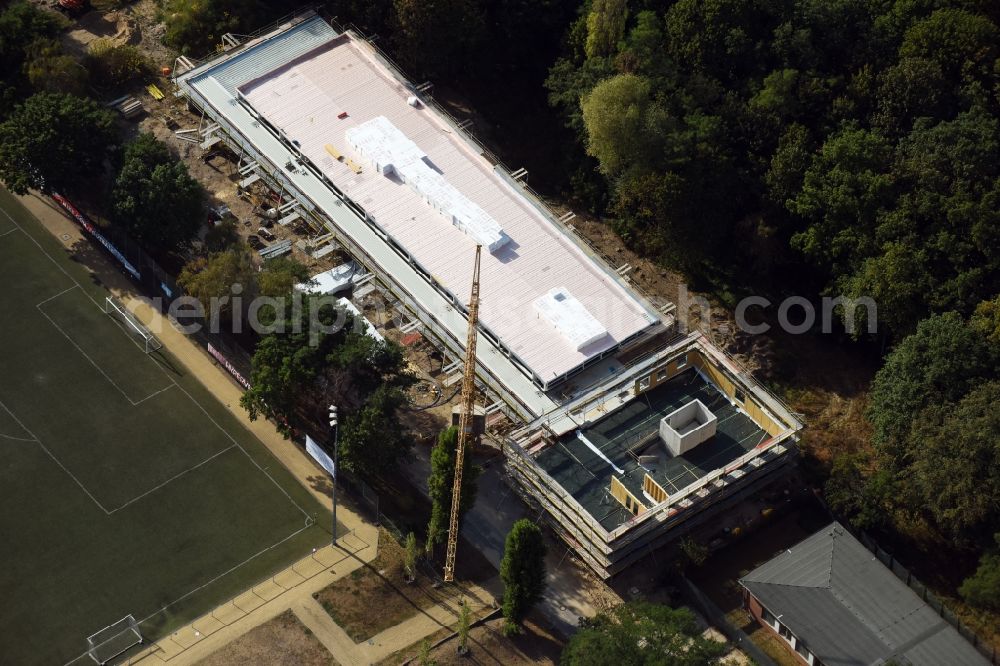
(465, 422)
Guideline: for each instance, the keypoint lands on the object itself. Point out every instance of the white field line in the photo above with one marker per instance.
(86, 355)
(54, 459)
(307, 518)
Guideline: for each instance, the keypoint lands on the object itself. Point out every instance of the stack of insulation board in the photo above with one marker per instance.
(392, 152)
(568, 316)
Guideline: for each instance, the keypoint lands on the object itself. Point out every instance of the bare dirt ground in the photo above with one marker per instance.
(382, 585)
(118, 27)
(282, 641)
(488, 646)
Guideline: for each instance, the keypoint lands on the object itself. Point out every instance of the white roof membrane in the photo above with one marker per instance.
(570, 318)
(392, 153)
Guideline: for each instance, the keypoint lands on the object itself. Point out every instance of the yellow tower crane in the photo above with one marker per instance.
(465, 421)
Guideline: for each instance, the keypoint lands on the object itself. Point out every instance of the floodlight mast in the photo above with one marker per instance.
(465, 421)
(334, 423)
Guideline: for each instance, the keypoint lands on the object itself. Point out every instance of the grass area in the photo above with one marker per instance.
(129, 489)
(382, 585)
(280, 640)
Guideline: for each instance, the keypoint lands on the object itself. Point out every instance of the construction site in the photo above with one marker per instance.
(621, 430)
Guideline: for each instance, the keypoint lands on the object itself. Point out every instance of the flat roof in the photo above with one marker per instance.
(316, 90)
(583, 461)
(211, 86)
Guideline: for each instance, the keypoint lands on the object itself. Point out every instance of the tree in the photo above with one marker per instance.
(953, 471)
(986, 320)
(441, 483)
(221, 236)
(23, 27)
(983, 587)
(114, 65)
(372, 438)
(622, 123)
(859, 491)
(605, 26)
(288, 361)
(522, 571)
(844, 190)
(54, 141)
(410, 561)
(213, 279)
(464, 624)
(438, 37)
(911, 88)
(155, 198)
(50, 70)
(196, 27)
(962, 43)
(279, 276)
(939, 363)
(789, 164)
(642, 633)
(424, 658)
(312, 358)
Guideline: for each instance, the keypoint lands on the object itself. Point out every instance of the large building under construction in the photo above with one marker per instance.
(626, 432)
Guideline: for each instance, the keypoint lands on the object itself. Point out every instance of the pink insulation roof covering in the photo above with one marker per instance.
(306, 100)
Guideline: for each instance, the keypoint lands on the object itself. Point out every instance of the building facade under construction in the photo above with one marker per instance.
(626, 432)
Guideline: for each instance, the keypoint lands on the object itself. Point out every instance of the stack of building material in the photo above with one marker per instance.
(276, 250)
(128, 106)
(392, 153)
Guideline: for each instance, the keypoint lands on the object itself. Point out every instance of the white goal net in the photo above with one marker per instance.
(132, 325)
(113, 640)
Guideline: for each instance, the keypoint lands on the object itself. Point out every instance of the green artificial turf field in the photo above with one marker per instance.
(126, 487)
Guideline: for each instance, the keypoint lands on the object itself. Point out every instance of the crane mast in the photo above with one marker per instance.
(465, 421)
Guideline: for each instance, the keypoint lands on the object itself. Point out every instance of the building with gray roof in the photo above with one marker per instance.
(835, 604)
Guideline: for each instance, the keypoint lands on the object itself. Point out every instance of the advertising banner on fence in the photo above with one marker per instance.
(320, 456)
(224, 362)
(92, 230)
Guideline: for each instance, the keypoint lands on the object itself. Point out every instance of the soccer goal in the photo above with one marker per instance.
(113, 640)
(148, 341)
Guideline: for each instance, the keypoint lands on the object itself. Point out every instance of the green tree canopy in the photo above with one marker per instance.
(960, 42)
(50, 70)
(438, 37)
(279, 276)
(605, 26)
(314, 357)
(939, 363)
(522, 571)
(212, 278)
(24, 27)
(441, 483)
(954, 463)
(54, 141)
(155, 198)
(623, 124)
(113, 64)
(642, 633)
(983, 587)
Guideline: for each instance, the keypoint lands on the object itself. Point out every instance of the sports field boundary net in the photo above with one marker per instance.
(113, 640)
(117, 310)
